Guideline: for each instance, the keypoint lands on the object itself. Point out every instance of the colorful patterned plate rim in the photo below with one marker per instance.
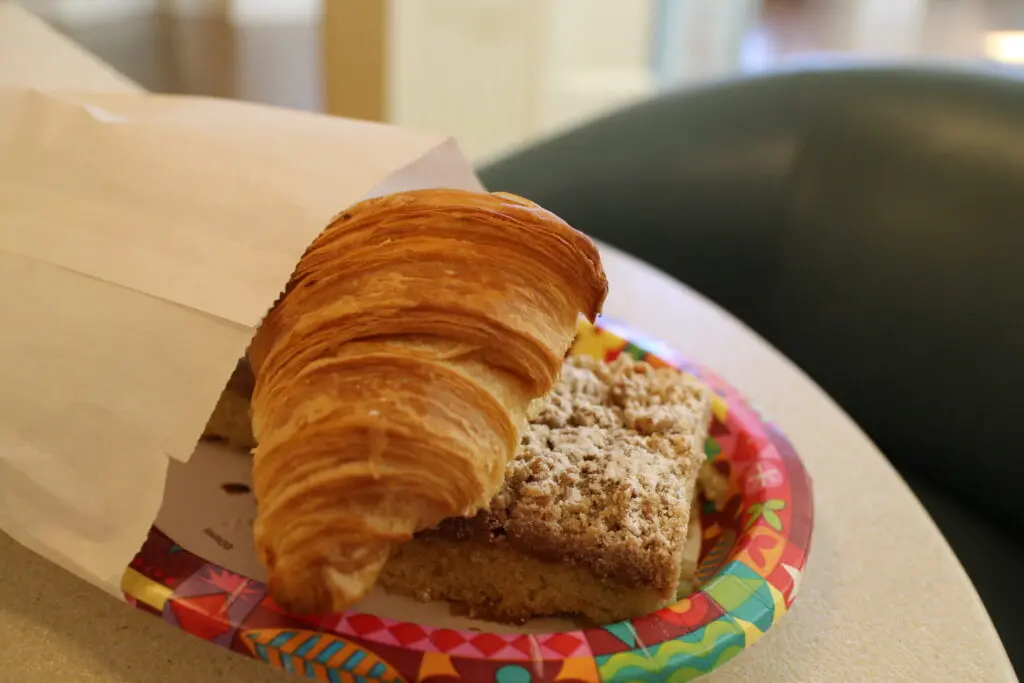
(754, 549)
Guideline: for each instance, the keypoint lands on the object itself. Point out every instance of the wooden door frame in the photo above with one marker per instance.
(354, 57)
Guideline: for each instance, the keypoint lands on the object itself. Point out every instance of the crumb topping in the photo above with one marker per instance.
(606, 472)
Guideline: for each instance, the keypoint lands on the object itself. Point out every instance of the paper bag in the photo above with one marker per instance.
(142, 238)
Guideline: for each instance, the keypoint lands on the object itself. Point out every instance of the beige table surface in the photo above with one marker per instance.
(882, 599)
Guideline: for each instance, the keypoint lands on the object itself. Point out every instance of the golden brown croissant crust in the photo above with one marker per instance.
(394, 374)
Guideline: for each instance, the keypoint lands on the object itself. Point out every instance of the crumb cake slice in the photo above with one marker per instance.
(594, 514)
(230, 421)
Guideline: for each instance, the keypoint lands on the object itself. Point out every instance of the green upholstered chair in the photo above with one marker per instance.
(869, 222)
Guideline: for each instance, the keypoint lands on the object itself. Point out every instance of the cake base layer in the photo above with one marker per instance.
(495, 582)
(596, 511)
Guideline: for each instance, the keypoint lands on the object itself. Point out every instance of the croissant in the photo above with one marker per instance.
(394, 374)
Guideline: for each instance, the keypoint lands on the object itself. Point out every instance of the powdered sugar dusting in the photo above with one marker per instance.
(607, 468)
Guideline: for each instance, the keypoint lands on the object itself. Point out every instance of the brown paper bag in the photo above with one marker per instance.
(142, 237)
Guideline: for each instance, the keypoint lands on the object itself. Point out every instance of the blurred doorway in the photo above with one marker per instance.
(499, 73)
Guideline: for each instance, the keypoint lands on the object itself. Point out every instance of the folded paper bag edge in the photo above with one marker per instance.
(237, 191)
(109, 575)
(84, 445)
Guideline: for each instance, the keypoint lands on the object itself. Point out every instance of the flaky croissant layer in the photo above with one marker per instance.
(394, 374)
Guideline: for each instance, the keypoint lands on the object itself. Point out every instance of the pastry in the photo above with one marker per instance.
(394, 374)
(596, 510)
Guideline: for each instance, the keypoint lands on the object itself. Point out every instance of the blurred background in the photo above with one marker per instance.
(500, 73)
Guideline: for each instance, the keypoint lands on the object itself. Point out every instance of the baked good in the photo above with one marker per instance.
(393, 377)
(230, 421)
(692, 546)
(594, 516)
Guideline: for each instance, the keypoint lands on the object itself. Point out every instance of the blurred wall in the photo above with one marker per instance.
(80, 11)
(243, 11)
(701, 39)
(501, 72)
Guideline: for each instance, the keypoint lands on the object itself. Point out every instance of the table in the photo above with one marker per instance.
(883, 597)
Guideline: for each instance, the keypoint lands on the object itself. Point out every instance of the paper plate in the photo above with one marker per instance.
(752, 557)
